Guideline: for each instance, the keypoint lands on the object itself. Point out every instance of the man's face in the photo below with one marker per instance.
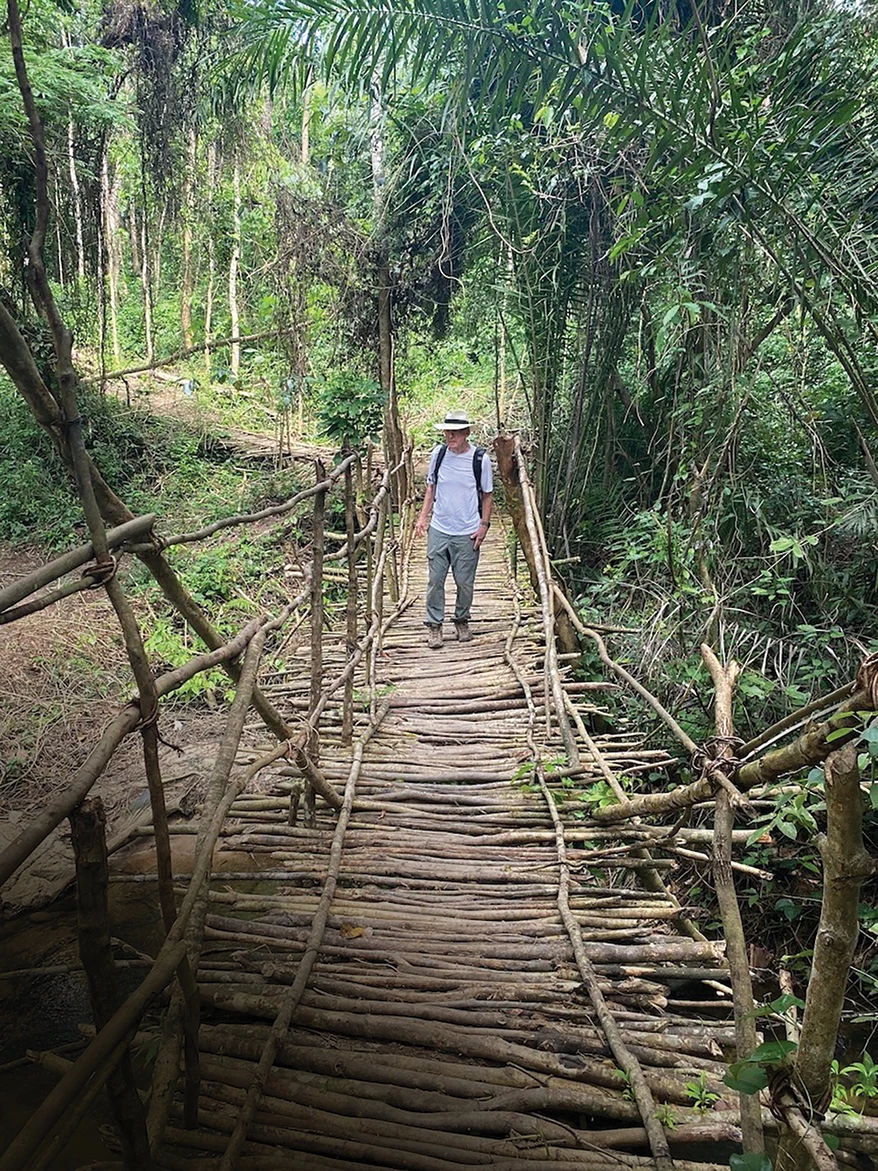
(456, 439)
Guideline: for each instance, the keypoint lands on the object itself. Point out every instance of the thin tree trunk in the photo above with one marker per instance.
(77, 200)
(186, 281)
(724, 882)
(234, 262)
(146, 287)
(134, 240)
(110, 200)
(58, 246)
(307, 109)
(211, 262)
(393, 442)
(157, 253)
(846, 864)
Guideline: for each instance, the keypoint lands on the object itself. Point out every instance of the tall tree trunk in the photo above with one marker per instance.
(186, 281)
(211, 261)
(77, 200)
(134, 240)
(393, 442)
(234, 262)
(58, 245)
(146, 287)
(102, 264)
(110, 202)
(157, 254)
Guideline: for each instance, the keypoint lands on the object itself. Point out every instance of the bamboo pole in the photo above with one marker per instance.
(622, 1054)
(551, 670)
(724, 678)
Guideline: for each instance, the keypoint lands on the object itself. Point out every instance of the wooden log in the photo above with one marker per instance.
(88, 825)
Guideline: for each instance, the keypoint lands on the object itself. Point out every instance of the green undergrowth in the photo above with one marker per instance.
(189, 478)
(185, 474)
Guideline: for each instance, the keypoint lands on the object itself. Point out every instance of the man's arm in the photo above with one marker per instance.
(485, 523)
(423, 521)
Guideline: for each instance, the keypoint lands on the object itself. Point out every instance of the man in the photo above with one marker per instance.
(458, 525)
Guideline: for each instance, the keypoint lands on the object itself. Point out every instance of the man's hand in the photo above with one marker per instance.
(479, 535)
(421, 526)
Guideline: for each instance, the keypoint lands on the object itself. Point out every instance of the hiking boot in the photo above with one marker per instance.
(464, 634)
(434, 637)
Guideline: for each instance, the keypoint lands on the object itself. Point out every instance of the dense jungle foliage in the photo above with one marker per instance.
(645, 236)
(648, 242)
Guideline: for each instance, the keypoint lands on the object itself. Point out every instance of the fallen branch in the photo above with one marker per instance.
(808, 750)
(186, 353)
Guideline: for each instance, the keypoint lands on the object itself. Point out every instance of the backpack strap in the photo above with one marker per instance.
(478, 456)
(440, 456)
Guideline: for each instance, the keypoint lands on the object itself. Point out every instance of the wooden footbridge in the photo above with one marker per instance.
(405, 943)
(444, 1022)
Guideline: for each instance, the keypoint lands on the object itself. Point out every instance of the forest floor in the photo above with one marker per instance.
(63, 675)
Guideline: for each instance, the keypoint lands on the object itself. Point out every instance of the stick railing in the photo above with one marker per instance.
(625, 1060)
(179, 954)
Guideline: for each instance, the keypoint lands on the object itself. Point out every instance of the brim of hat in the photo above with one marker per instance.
(451, 426)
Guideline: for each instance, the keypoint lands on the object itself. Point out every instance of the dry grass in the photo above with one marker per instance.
(63, 673)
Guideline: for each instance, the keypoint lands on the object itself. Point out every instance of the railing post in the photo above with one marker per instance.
(347, 722)
(317, 596)
(88, 824)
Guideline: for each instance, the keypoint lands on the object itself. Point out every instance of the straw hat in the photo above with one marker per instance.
(454, 421)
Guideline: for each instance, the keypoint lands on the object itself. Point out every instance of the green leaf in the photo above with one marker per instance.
(749, 1080)
(751, 1161)
(772, 1052)
(778, 1005)
(873, 795)
(836, 734)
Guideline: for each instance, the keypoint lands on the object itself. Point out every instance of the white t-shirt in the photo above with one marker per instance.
(456, 502)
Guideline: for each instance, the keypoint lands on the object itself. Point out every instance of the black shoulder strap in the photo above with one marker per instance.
(478, 456)
(443, 447)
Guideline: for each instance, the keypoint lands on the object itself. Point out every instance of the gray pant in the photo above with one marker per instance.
(458, 555)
